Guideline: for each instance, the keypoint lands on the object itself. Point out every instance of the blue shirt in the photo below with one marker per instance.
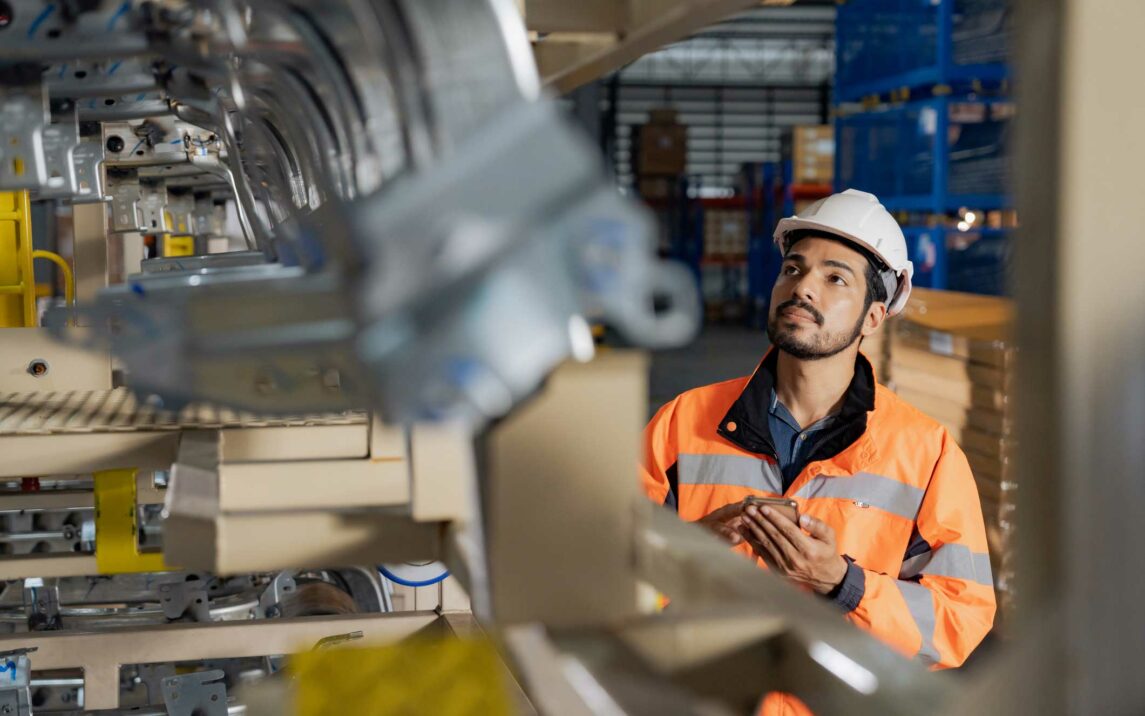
(791, 439)
(791, 443)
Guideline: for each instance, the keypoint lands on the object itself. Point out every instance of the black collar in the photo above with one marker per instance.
(745, 423)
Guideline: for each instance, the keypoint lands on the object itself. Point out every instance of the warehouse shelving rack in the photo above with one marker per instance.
(922, 120)
(770, 194)
(976, 267)
(888, 46)
(935, 155)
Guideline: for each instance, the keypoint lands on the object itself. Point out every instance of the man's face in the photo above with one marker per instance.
(817, 304)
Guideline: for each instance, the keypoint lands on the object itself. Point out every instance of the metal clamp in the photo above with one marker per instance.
(42, 602)
(88, 156)
(179, 598)
(200, 694)
(15, 682)
(270, 601)
(126, 198)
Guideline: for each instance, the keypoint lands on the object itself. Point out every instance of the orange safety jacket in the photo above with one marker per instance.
(889, 480)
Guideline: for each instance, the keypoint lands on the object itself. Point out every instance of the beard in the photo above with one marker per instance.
(817, 347)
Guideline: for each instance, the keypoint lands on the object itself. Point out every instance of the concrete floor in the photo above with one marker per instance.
(720, 352)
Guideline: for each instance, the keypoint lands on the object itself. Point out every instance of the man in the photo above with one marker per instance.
(890, 529)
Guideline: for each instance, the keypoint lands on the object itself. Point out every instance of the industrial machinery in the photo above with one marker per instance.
(376, 247)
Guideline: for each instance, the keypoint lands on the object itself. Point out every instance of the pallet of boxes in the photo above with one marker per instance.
(952, 357)
(811, 151)
(725, 234)
(660, 154)
(876, 347)
(659, 159)
(723, 269)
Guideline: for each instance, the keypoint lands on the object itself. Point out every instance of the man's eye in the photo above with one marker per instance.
(838, 280)
(790, 270)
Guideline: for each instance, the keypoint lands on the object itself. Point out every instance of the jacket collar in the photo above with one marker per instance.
(745, 423)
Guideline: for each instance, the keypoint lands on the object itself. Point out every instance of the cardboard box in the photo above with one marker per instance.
(980, 318)
(662, 150)
(945, 411)
(990, 469)
(656, 187)
(991, 446)
(995, 352)
(940, 366)
(725, 232)
(963, 392)
(811, 150)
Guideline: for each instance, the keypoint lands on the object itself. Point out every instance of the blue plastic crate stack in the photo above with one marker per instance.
(924, 120)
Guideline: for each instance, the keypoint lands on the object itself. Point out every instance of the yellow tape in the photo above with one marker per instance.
(116, 528)
(444, 677)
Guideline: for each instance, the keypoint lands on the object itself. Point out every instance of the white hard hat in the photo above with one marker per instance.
(859, 217)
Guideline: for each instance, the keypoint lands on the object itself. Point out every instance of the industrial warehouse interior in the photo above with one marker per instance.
(586, 358)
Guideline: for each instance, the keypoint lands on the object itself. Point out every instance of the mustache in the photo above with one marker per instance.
(803, 305)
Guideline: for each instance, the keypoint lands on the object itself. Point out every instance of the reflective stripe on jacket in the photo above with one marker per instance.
(891, 482)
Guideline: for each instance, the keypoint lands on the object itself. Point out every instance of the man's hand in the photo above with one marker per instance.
(726, 522)
(807, 559)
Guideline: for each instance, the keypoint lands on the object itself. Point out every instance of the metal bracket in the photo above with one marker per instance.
(199, 694)
(270, 601)
(42, 602)
(181, 207)
(15, 680)
(152, 676)
(88, 158)
(126, 197)
(23, 116)
(60, 142)
(153, 204)
(178, 598)
(209, 217)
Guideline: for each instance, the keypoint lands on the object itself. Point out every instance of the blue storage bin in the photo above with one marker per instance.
(979, 262)
(935, 155)
(976, 261)
(884, 45)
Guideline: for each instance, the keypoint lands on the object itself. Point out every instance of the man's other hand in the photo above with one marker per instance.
(811, 558)
(726, 522)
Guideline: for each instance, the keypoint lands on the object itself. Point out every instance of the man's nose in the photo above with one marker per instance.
(805, 289)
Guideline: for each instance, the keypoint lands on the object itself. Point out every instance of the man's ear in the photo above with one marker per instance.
(876, 314)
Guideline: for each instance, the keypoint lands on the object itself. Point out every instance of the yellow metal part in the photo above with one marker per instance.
(65, 268)
(17, 282)
(445, 677)
(178, 245)
(116, 526)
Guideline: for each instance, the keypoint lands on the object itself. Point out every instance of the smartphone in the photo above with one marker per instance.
(785, 506)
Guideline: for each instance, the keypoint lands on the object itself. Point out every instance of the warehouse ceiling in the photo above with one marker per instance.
(736, 85)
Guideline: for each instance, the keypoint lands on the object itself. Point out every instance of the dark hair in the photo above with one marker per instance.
(876, 289)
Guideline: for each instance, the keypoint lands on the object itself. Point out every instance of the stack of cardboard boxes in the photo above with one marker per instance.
(725, 234)
(661, 154)
(811, 150)
(952, 357)
(876, 347)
